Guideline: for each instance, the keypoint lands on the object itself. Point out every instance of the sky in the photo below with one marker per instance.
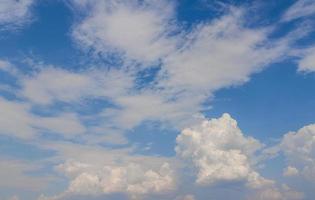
(157, 99)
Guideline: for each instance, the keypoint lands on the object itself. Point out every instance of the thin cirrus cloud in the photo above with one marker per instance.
(299, 9)
(192, 64)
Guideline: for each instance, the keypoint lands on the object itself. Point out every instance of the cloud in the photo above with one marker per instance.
(131, 179)
(290, 171)
(45, 86)
(15, 175)
(15, 12)
(191, 65)
(15, 112)
(306, 63)
(6, 66)
(135, 29)
(98, 171)
(299, 150)
(20, 122)
(299, 9)
(219, 152)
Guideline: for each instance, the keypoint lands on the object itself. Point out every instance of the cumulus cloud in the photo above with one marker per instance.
(132, 179)
(14, 12)
(299, 149)
(219, 151)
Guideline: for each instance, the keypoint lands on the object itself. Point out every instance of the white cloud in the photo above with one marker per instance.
(13, 113)
(133, 179)
(14, 175)
(219, 151)
(290, 171)
(299, 9)
(193, 63)
(66, 124)
(94, 170)
(54, 83)
(18, 120)
(219, 54)
(306, 64)
(299, 149)
(14, 12)
(138, 30)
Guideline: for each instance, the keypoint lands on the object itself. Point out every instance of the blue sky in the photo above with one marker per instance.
(174, 100)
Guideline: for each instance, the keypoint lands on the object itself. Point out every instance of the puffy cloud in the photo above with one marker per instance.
(14, 12)
(290, 171)
(299, 9)
(136, 29)
(299, 150)
(220, 152)
(98, 171)
(132, 179)
(306, 64)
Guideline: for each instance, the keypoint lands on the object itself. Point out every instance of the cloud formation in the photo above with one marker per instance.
(219, 151)
(300, 9)
(14, 12)
(306, 63)
(299, 149)
(162, 72)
